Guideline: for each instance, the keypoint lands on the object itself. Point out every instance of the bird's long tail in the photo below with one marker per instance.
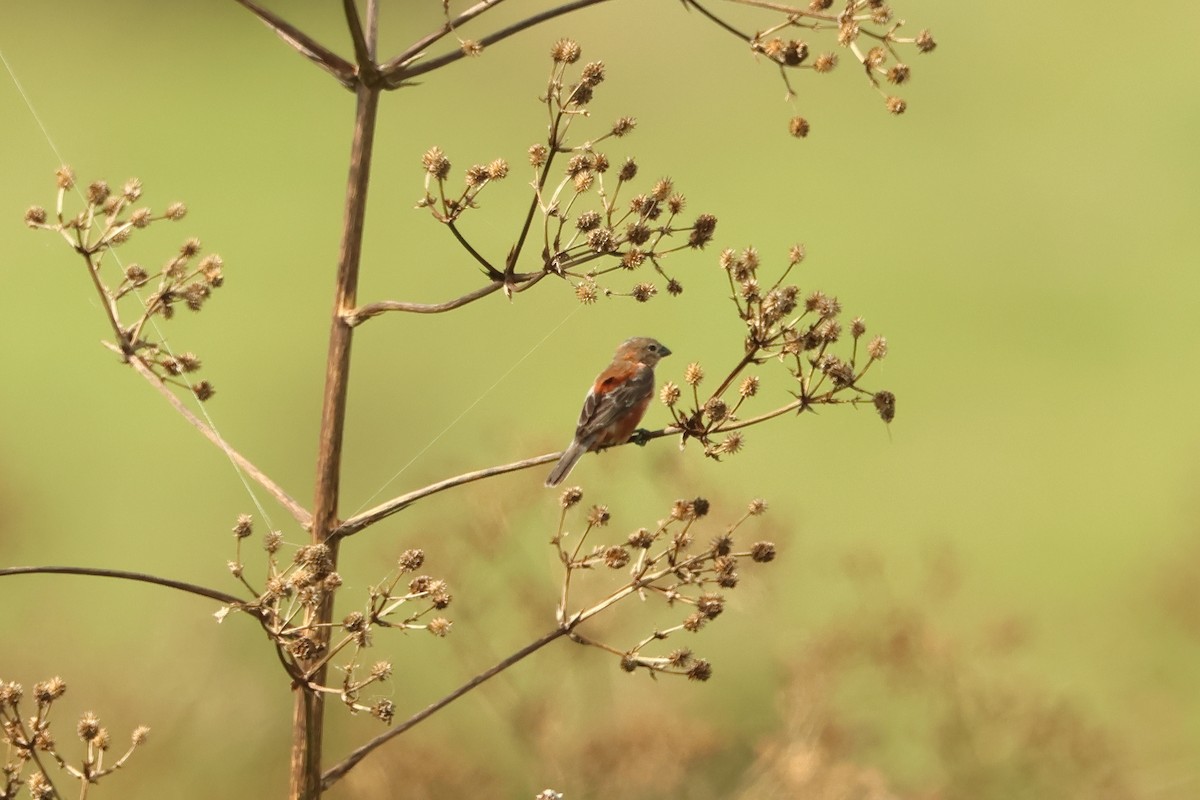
(566, 463)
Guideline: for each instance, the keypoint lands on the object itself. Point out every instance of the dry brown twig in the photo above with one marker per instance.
(589, 227)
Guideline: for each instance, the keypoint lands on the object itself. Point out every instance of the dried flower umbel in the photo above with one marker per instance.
(804, 333)
(286, 608)
(588, 229)
(109, 219)
(671, 562)
(32, 745)
(867, 29)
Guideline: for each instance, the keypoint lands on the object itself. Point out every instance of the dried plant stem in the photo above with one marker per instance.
(398, 70)
(298, 512)
(304, 44)
(337, 772)
(308, 710)
(363, 313)
(127, 575)
(369, 517)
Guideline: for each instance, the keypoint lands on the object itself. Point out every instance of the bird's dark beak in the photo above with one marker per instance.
(663, 350)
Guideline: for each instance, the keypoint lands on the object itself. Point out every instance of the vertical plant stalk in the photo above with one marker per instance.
(308, 709)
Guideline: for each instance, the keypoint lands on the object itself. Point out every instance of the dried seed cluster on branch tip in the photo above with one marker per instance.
(594, 222)
(31, 740)
(674, 562)
(801, 332)
(866, 30)
(133, 295)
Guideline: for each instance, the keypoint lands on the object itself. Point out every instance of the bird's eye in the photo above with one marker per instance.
(653, 348)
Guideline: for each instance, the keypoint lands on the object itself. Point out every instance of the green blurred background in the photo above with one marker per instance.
(999, 596)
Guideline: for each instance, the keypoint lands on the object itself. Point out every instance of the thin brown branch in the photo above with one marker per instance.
(337, 772)
(127, 575)
(401, 69)
(372, 515)
(361, 53)
(720, 23)
(304, 44)
(369, 517)
(363, 313)
(298, 512)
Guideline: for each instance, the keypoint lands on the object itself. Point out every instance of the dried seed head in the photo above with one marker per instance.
(710, 604)
(680, 657)
(140, 217)
(39, 786)
(354, 622)
(798, 127)
(628, 170)
(694, 622)
(693, 374)
(140, 734)
(470, 47)
(674, 288)
(203, 391)
(702, 230)
(498, 169)
(34, 216)
(64, 176)
(175, 212)
(623, 126)
(762, 552)
(616, 557)
(245, 523)
(628, 664)
(384, 711)
(749, 386)
(825, 62)
(898, 74)
(439, 594)
(885, 404)
(410, 561)
(676, 203)
(643, 292)
(381, 670)
(475, 174)
(874, 57)
(662, 189)
(97, 192)
(586, 292)
(716, 409)
(637, 233)
(592, 74)
(588, 220)
(598, 516)
(896, 105)
(272, 541)
(88, 727)
(794, 53)
(858, 327)
(641, 538)
(601, 164)
(439, 626)
(436, 163)
(602, 240)
(537, 154)
(565, 51)
(633, 258)
(877, 348)
(49, 691)
(732, 444)
(669, 394)
(570, 497)
(925, 42)
(700, 671)
(132, 189)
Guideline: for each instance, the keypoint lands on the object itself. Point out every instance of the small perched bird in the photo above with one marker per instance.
(615, 404)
